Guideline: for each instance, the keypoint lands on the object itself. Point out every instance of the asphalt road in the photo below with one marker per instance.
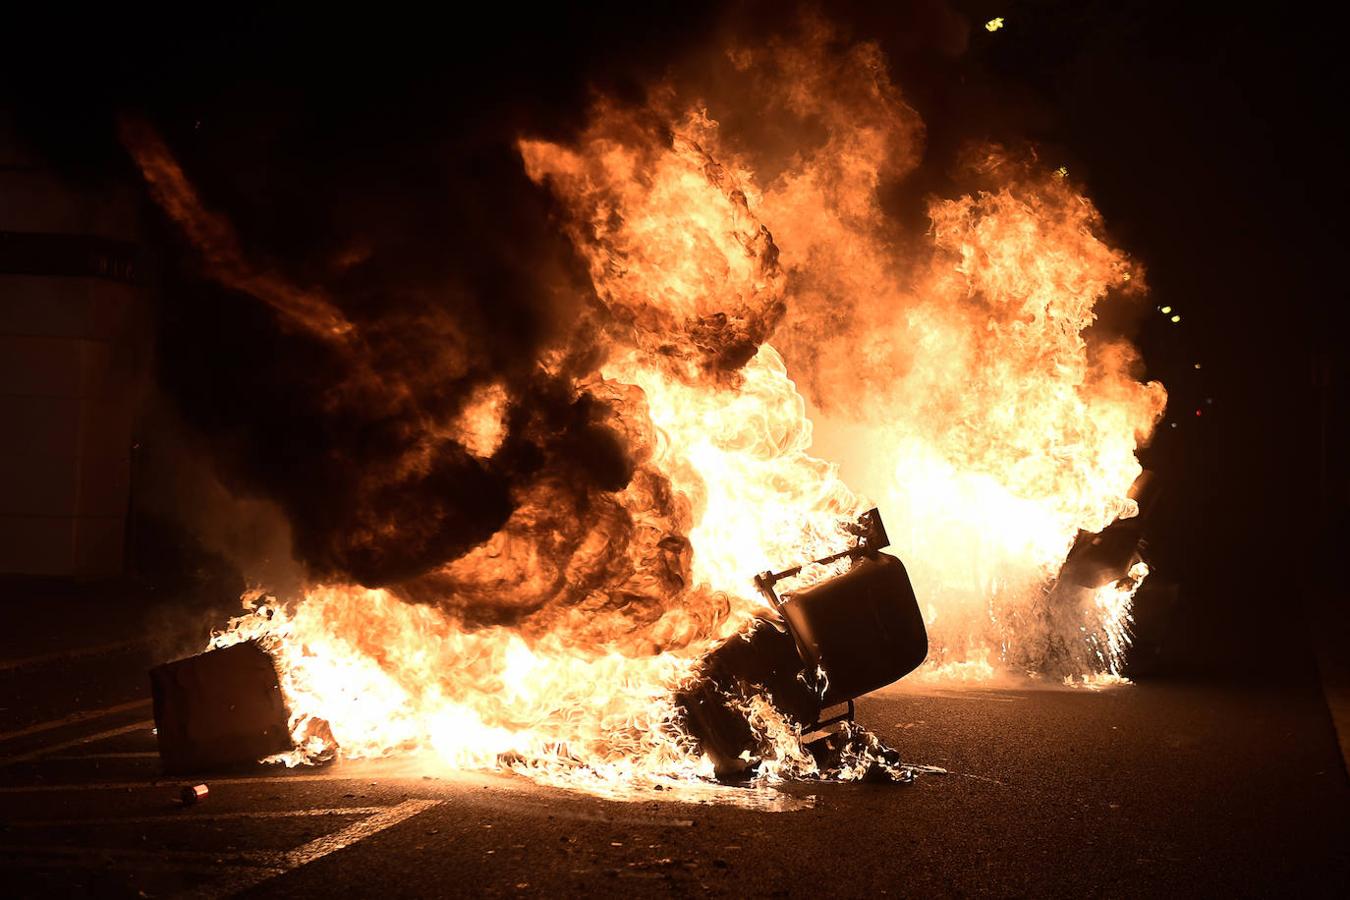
(1162, 788)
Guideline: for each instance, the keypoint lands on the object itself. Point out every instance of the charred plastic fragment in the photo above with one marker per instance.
(761, 660)
(849, 752)
(219, 709)
(1099, 559)
(820, 647)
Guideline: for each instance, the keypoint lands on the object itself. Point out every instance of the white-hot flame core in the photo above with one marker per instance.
(761, 500)
(393, 677)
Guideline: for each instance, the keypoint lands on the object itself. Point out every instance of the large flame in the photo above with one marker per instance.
(953, 377)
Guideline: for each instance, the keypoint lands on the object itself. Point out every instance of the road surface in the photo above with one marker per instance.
(1161, 788)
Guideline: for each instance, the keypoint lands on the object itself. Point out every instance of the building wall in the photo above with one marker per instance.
(72, 358)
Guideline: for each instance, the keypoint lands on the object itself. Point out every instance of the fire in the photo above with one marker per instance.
(1111, 603)
(481, 427)
(775, 355)
(393, 677)
(761, 501)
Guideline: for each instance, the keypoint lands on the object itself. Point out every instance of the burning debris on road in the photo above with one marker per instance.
(219, 709)
(453, 461)
(823, 646)
(690, 340)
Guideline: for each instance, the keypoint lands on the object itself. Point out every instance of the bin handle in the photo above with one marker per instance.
(871, 532)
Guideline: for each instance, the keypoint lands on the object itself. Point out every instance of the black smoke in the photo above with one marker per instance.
(372, 163)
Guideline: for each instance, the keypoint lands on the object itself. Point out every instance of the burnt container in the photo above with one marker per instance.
(219, 709)
(862, 628)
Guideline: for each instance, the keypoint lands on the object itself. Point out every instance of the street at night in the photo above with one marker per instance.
(1188, 786)
(732, 448)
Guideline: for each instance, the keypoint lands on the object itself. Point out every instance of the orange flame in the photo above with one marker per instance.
(955, 377)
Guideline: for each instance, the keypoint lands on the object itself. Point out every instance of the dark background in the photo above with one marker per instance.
(1210, 140)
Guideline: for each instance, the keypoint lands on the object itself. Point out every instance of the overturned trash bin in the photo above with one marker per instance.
(219, 709)
(820, 647)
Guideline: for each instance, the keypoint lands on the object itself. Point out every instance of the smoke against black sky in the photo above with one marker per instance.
(342, 409)
(375, 201)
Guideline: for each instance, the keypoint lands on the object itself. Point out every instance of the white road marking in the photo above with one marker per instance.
(243, 869)
(317, 849)
(89, 739)
(71, 719)
(61, 655)
(357, 831)
(180, 817)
